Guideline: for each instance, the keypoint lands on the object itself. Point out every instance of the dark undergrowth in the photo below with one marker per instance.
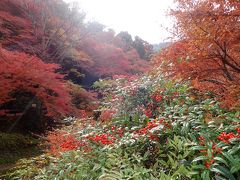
(16, 146)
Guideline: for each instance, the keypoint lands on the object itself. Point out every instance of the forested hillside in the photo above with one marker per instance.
(79, 101)
(49, 55)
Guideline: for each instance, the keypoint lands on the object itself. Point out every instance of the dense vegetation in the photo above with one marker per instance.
(150, 129)
(174, 117)
(49, 54)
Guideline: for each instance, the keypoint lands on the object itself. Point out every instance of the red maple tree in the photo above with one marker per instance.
(20, 72)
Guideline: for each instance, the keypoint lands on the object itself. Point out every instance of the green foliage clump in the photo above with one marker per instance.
(13, 147)
(14, 141)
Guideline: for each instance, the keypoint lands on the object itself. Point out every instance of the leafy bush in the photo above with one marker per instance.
(160, 130)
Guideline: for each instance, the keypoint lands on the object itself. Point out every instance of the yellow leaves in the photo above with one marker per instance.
(208, 118)
(80, 55)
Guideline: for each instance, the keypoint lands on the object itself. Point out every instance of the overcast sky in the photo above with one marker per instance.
(144, 18)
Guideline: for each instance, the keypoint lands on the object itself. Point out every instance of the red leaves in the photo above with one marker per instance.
(22, 72)
(15, 30)
(108, 60)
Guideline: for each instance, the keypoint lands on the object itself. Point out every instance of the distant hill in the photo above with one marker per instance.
(158, 47)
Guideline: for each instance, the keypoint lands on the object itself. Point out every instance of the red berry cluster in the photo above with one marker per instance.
(151, 125)
(201, 140)
(120, 132)
(208, 163)
(215, 150)
(62, 141)
(70, 143)
(157, 97)
(165, 124)
(104, 139)
(116, 131)
(225, 137)
(148, 113)
(238, 131)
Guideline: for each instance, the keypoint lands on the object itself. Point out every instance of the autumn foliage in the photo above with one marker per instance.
(49, 55)
(108, 55)
(21, 72)
(207, 50)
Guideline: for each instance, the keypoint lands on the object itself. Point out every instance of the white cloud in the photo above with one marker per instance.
(144, 18)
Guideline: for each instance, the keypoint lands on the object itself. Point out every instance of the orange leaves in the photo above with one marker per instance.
(106, 115)
(206, 52)
(62, 141)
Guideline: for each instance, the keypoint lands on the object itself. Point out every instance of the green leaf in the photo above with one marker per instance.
(217, 158)
(164, 176)
(235, 169)
(196, 148)
(219, 178)
(229, 157)
(205, 175)
(109, 176)
(200, 158)
(181, 171)
(233, 150)
(222, 170)
(209, 152)
(163, 162)
(173, 163)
